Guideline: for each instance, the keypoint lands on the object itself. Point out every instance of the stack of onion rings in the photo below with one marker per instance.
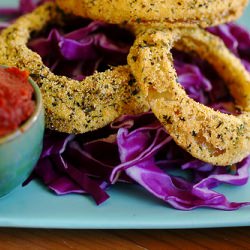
(209, 135)
(78, 107)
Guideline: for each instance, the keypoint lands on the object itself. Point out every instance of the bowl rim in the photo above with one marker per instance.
(31, 120)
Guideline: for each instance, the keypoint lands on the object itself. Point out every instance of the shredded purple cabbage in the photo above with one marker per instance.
(81, 52)
(133, 149)
(179, 192)
(237, 39)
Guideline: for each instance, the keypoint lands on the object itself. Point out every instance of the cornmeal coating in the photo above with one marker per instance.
(70, 106)
(171, 12)
(208, 135)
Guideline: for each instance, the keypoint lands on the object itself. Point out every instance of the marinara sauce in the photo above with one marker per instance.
(16, 103)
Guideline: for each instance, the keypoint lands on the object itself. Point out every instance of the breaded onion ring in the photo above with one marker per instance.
(172, 12)
(209, 135)
(71, 106)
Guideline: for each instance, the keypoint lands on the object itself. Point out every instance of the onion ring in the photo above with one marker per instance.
(71, 106)
(171, 12)
(209, 135)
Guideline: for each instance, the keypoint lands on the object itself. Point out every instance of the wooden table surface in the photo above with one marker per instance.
(40, 239)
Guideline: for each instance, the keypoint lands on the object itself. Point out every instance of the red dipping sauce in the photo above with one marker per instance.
(16, 103)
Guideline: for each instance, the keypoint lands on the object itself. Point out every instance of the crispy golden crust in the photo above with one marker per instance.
(208, 135)
(172, 12)
(71, 106)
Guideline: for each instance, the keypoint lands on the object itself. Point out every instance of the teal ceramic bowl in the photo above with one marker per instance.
(20, 150)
